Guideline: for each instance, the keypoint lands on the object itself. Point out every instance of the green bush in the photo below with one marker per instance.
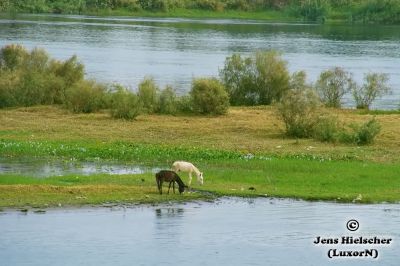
(299, 111)
(168, 101)
(85, 97)
(35, 78)
(124, 104)
(209, 96)
(148, 95)
(312, 10)
(8, 88)
(375, 86)
(326, 129)
(12, 57)
(184, 104)
(131, 5)
(238, 5)
(332, 85)
(361, 134)
(213, 5)
(260, 79)
(381, 11)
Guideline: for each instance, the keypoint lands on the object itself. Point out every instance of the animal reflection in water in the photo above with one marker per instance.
(169, 212)
(190, 168)
(171, 177)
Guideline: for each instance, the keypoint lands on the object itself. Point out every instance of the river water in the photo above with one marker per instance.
(173, 51)
(226, 232)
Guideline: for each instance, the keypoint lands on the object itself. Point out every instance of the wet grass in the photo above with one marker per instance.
(295, 178)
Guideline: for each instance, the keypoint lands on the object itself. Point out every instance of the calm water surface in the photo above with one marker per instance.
(174, 51)
(227, 232)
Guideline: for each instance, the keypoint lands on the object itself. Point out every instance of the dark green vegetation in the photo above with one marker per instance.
(209, 97)
(365, 11)
(32, 78)
(259, 79)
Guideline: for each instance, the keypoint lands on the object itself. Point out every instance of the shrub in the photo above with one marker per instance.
(381, 11)
(12, 57)
(209, 96)
(298, 81)
(131, 5)
(184, 104)
(238, 5)
(326, 129)
(362, 134)
(168, 101)
(35, 77)
(299, 111)
(375, 86)
(148, 95)
(313, 10)
(260, 79)
(85, 97)
(8, 86)
(124, 104)
(332, 85)
(213, 5)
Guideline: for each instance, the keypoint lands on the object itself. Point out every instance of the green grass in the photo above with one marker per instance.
(277, 177)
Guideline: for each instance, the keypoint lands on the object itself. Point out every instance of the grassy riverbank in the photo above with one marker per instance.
(294, 178)
(242, 150)
(372, 11)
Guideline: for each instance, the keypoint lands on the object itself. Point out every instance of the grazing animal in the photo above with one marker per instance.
(188, 167)
(171, 177)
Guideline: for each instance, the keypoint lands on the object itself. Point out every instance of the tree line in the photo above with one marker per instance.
(30, 78)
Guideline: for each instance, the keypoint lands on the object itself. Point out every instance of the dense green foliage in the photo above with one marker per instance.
(31, 78)
(124, 104)
(259, 79)
(148, 95)
(168, 101)
(85, 97)
(209, 96)
(380, 11)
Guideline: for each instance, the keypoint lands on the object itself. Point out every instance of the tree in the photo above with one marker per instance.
(375, 86)
(259, 79)
(332, 85)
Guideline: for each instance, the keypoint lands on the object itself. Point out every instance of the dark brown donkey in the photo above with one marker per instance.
(171, 177)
